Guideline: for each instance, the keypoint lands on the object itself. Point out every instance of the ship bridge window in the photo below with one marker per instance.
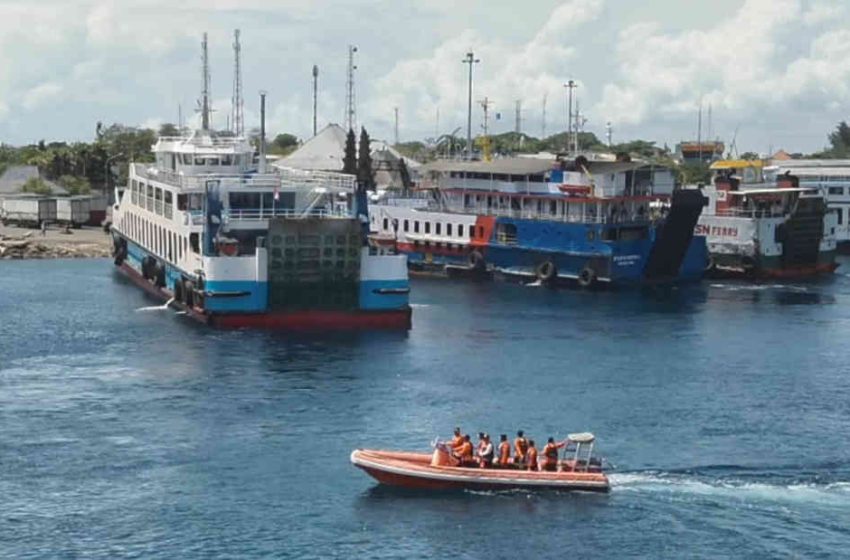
(386, 224)
(244, 201)
(195, 243)
(416, 226)
(438, 226)
(449, 230)
(406, 225)
(836, 190)
(427, 227)
(460, 230)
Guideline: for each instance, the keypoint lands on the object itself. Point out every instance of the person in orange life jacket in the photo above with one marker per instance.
(531, 456)
(550, 454)
(464, 453)
(457, 440)
(520, 448)
(485, 453)
(504, 452)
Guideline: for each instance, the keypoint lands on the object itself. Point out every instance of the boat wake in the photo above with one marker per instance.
(162, 307)
(779, 489)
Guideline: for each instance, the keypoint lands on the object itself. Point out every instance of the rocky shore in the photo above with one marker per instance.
(54, 244)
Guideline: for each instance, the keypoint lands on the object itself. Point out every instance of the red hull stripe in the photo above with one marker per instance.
(801, 272)
(324, 320)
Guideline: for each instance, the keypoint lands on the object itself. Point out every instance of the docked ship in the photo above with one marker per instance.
(759, 229)
(587, 222)
(212, 231)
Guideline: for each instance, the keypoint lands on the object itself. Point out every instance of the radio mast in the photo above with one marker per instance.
(238, 119)
(205, 92)
(350, 102)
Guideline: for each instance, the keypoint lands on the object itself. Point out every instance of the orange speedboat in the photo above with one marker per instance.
(439, 470)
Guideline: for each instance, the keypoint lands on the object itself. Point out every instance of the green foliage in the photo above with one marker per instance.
(285, 142)
(750, 156)
(75, 185)
(365, 174)
(36, 186)
(349, 159)
(168, 129)
(692, 173)
(414, 150)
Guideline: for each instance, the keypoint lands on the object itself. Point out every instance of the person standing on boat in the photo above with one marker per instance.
(520, 448)
(504, 452)
(550, 454)
(457, 440)
(531, 456)
(485, 453)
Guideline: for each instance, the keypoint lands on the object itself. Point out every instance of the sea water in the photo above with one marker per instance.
(725, 408)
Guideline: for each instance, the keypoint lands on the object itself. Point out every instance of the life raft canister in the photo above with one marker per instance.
(546, 271)
(586, 277)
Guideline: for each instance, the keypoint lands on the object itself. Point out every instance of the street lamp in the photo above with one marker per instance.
(106, 170)
(470, 59)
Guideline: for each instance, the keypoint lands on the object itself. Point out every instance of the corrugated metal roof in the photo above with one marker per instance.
(512, 166)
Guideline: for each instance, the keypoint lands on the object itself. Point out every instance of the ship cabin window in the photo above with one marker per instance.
(840, 213)
(182, 200)
(506, 234)
(386, 224)
(427, 227)
(406, 225)
(187, 159)
(227, 159)
(149, 200)
(553, 207)
(157, 193)
(195, 243)
(836, 190)
(416, 226)
(244, 201)
(169, 204)
(199, 160)
(449, 230)
(196, 201)
(460, 230)
(438, 227)
(467, 201)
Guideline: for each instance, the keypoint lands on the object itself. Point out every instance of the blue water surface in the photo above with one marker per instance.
(129, 431)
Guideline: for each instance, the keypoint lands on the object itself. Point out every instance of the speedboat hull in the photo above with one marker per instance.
(415, 471)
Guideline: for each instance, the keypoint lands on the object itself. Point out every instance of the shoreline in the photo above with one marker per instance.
(54, 243)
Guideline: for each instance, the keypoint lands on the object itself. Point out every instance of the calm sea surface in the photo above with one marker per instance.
(132, 432)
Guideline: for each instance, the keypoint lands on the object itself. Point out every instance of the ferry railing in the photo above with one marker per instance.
(753, 213)
(257, 214)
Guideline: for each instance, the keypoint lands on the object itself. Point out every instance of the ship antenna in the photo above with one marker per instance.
(315, 95)
(350, 102)
(238, 119)
(205, 93)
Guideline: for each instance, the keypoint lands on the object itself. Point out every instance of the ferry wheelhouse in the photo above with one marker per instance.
(209, 230)
(756, 228)
(590, 222)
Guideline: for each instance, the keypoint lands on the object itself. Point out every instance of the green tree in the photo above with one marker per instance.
(284, 143)
(750, 156)
(349, 159)
(168, 129)
(365, 174)
(75, 185)
(840, 139)
(693, 173)
(36, 186)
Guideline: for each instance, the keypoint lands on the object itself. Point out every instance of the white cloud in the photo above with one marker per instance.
(41, 94)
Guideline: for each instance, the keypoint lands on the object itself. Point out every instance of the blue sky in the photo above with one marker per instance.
(777, 71)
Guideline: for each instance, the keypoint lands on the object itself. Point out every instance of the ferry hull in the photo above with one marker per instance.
(302, 320)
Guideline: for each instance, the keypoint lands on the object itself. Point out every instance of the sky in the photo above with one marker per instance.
(773, 73)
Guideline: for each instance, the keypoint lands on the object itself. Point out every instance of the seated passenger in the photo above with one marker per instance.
(531, 456)
(464, 453)
(520, 448)
(480, 444)
(485, 453)
(504, 459)
(550, 454)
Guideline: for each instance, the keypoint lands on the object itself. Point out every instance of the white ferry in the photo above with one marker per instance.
(775, 229)
(236, 247)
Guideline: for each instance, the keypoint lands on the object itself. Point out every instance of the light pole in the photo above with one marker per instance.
(106, 170)
(470, 59)
(571, 85)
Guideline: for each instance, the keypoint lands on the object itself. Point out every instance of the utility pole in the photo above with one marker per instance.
(395, 111)
(470, 60)
(238, 119)
(571, 85)
(262, 132)
(205, 92)
(315, 95)
(350, 102)
(543, 119)
(699, 131)
(518, 117)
